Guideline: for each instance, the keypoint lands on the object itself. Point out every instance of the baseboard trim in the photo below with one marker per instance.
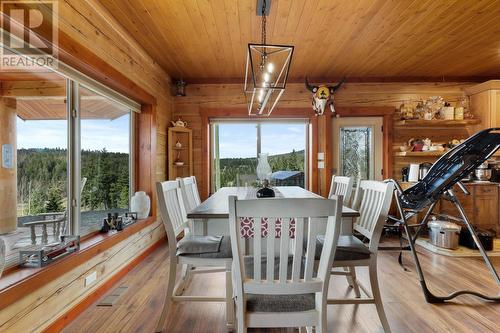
(60, 323)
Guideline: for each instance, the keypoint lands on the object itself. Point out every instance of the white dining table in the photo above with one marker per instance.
(212, 216)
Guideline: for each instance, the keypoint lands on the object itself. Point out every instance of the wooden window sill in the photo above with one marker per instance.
(22, 281)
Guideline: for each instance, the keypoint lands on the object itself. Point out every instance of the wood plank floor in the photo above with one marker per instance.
(137, 310)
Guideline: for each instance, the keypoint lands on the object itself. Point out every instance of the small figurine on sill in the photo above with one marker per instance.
(112, 222)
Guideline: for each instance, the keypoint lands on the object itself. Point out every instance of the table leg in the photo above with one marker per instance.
(346, 226)
(205, 226)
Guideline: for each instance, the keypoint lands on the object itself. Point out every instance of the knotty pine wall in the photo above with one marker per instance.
(88, 23)
(216, 96)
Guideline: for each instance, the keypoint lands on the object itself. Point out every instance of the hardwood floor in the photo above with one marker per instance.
(137, 310)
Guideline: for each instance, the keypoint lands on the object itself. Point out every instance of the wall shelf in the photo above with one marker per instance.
(436, 123)
(184, 136)
(419, 153)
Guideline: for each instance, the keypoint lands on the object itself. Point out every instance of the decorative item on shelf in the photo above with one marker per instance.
(464, 103)
(112, 222)
(447, 112)
(3, 251)
(432, 105)
(323, 96)
(427, 144)
(179, 123)
(42, 255)
(437, 147)
(130, 218)
(266, 70)
(405, 147)
(459, 109)
(264, 172)
(406, 111)
(140, 203)
(180, 88)
(178, 144)
(416, 144)
(420, 110)
(178, 160)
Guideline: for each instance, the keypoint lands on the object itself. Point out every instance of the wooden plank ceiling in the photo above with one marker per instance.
(206, 40)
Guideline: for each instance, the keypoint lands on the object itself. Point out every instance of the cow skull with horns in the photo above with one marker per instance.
(323, 95)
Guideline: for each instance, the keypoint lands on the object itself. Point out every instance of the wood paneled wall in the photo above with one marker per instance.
(218, 96)
(87, 23)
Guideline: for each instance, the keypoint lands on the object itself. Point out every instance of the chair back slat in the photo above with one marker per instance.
(283, 225)
(257, 247)
(171, 206)
(373, 202)
(190, 193)
(284, 250)
(341, 185)
(297, 250)
(271, 236)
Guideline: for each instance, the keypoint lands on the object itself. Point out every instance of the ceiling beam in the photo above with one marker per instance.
(389, 79)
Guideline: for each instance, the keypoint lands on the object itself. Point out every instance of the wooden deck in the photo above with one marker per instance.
(137, 310)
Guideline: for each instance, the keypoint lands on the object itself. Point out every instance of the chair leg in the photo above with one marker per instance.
(168, 298)
(185, 278)
(376, 295)
(322, 328)
(351, 279)
(241, 326)
(229, 297)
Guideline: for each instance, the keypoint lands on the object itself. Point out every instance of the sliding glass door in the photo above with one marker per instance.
(237, 144)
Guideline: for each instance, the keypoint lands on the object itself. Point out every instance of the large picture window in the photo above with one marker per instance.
(237, 144)
(47, 135)
(105, 159)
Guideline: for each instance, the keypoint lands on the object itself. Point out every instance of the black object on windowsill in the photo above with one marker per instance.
(266, 191)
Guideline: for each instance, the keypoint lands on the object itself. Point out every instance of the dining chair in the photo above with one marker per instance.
(191, 252)
(190, 193)
(372, 201)
(278, 285)
(341, 185)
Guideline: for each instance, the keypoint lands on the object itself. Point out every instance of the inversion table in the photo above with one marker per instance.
(446, 172)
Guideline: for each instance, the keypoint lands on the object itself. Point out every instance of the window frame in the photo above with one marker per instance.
(74, 79)
(258, 122)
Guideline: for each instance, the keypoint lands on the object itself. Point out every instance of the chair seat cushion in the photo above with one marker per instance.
(280, 303)
(348, 248)
(276, 303)
(205, 246)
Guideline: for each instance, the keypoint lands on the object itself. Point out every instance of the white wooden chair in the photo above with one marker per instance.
(277, 286)
(191, 252)
(190, 193)
(373, 200)
(342, 186)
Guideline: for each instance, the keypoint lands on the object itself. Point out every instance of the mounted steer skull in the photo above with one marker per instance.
(323, 95)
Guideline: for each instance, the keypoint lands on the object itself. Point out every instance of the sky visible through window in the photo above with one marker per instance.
(97, 134)
(240, 140)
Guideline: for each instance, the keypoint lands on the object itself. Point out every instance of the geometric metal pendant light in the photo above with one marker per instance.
(266, 70)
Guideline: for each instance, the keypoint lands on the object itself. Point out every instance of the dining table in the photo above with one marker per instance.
(214, 211)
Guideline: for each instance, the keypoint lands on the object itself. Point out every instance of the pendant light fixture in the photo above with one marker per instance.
(266, 70)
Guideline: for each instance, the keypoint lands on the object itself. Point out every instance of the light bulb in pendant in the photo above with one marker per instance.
(266, 77)
(270, 67)
(261, 95)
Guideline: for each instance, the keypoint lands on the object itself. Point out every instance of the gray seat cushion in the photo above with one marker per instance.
(276, 303)
(209, 247)
(280, 303)
(348, 248)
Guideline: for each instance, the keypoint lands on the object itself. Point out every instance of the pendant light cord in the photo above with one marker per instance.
(263, 37)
